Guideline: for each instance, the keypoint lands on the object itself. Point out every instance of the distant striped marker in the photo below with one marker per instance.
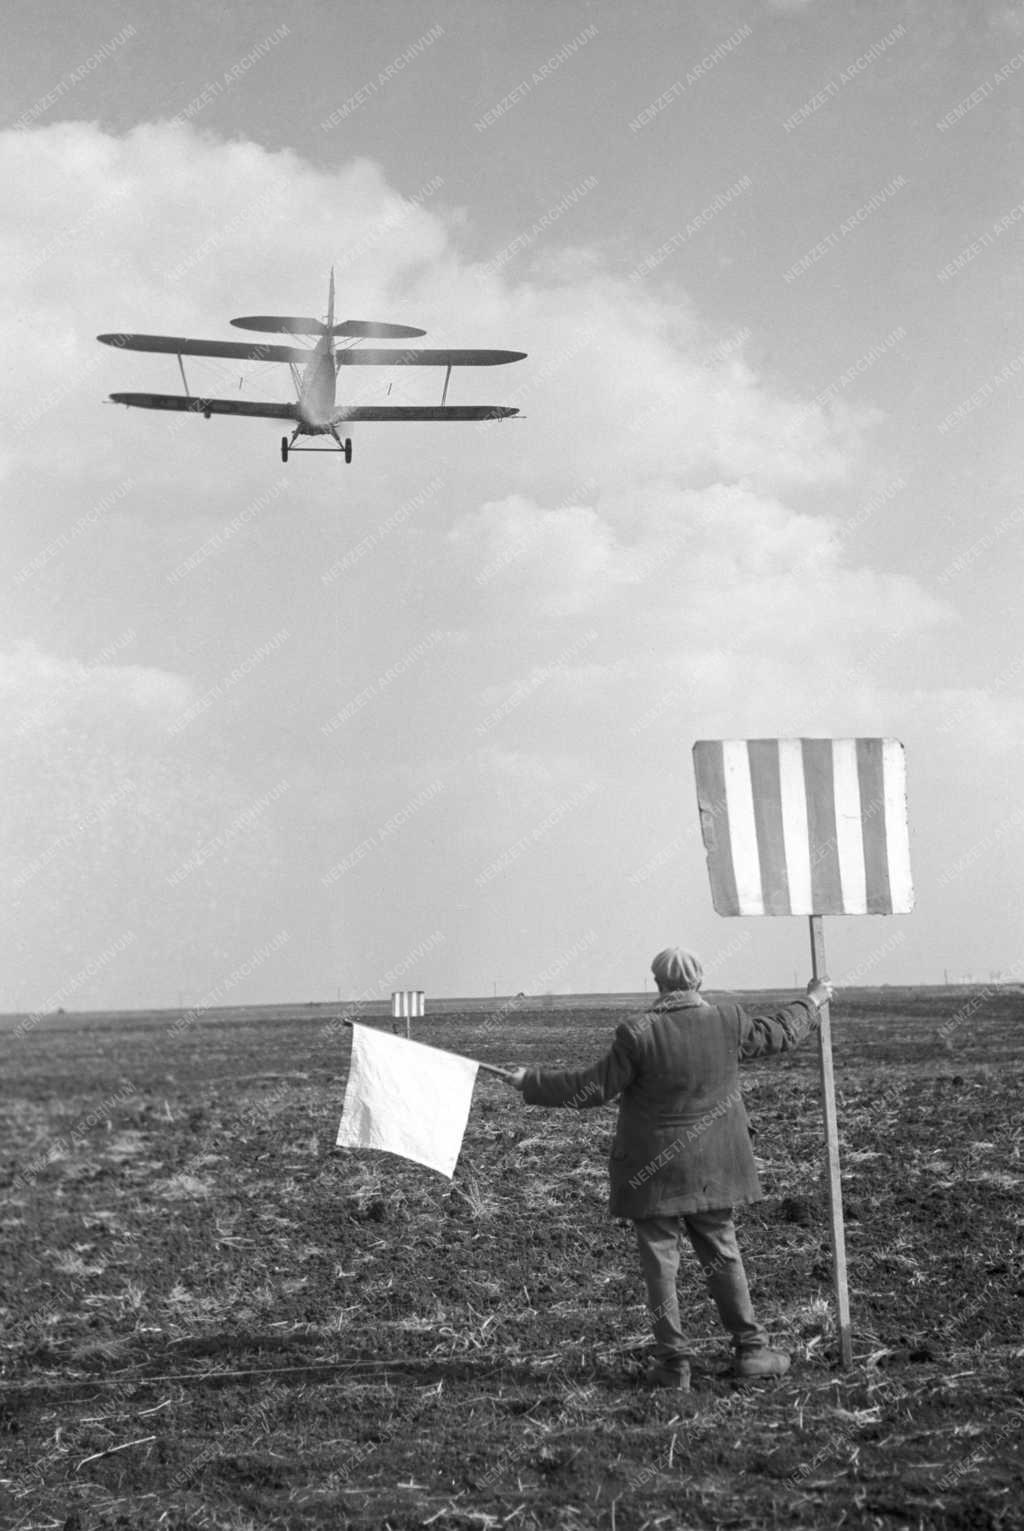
(805, 826)
(407, 1003)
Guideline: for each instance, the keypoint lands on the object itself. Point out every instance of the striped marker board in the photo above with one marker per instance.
(406, 1002)
(805, 826)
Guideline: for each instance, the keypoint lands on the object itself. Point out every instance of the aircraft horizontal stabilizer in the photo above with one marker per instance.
(365, 329)
(281, 324)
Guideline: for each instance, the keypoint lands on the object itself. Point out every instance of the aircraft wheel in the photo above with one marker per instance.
(284, 448)
(348, 449)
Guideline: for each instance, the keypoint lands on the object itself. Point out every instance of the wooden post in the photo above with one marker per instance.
(835, 1185)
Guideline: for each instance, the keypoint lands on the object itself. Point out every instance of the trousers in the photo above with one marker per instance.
(713, 1237)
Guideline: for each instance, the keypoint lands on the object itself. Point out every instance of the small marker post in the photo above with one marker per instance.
(407, 1003)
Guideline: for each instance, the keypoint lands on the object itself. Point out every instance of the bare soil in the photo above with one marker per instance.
(213, 1318)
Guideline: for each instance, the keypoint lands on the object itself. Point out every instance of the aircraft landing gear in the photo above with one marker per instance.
(344, 447)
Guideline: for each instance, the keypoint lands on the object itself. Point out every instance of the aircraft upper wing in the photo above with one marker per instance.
(359, 412)
(200, 406)
(177, 345)
(399, 357)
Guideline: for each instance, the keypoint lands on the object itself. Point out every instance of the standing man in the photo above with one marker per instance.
(681, 1156)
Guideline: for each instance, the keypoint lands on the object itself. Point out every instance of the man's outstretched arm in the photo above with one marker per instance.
(761, 1035)
(580, 1088)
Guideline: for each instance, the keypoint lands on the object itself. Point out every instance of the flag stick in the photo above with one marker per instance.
(489, 1068)
(835, 1185)
(492, 1068)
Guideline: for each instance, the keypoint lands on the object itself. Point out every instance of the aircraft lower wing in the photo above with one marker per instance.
(178, 345)
(353, 413)
(357, 412)
(200, 406)
(399, 357)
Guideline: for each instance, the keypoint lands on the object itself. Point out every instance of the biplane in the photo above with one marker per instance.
(314, 370)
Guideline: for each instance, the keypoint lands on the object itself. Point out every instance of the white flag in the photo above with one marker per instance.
(407, 1099)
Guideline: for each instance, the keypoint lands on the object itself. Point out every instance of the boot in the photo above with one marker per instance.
(669, 1374)
(759, 1361)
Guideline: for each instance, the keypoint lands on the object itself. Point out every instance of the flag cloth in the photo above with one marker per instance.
(805, 826)
(407, 1099)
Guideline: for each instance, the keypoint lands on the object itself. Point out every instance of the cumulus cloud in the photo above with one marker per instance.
(676, 564)
(41, 691)
(562, 558)
(1007, 18)
(114, 840)
(622, 570)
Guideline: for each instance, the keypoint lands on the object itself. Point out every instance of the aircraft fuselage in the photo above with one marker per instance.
(319, 375)
(316, 394)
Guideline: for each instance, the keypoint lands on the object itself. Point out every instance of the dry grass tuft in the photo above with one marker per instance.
(182, 1186)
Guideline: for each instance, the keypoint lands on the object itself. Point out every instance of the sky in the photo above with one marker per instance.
(292, 732)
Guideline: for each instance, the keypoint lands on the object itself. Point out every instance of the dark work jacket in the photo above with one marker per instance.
(682, 1142)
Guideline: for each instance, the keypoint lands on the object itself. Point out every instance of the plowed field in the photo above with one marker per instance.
(212, 1318)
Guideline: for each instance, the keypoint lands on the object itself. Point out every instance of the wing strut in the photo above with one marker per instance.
(447, 380)
(184, 379)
